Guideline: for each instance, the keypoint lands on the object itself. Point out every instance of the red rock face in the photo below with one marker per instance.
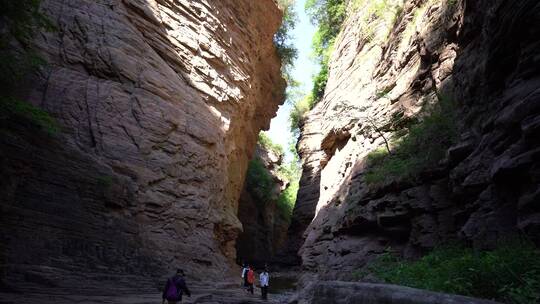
(479, 53)
(160, 103)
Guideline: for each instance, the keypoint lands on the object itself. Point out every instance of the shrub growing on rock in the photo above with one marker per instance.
(21, 19)
(423, 147)
(510, 273)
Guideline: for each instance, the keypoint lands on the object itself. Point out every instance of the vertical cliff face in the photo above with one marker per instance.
(264, 223)
(387, 63)
(160, 103)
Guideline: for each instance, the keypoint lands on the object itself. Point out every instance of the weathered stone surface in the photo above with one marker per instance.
(220, 293)
(478, 53)
(366, 293)
(160, 103)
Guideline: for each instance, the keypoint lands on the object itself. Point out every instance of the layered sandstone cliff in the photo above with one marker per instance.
(480, 54)
(160, 103)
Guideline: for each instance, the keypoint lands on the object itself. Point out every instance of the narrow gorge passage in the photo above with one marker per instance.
(364, 151)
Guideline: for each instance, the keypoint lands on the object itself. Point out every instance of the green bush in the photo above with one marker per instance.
(328, 16)
(289, 172)
(423, 147)
(287, 199)
(319, 82)
(104, 181)
(21, 19)
(283, 40)
(510, 273)
(268, 144)
(260, 183)
(13, 107)
(299, 108)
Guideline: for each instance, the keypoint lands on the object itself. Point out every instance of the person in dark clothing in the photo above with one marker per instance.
(174, 288)
(244, 275)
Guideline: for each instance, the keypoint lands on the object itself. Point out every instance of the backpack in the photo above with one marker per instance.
(172, 293)
(251, 277)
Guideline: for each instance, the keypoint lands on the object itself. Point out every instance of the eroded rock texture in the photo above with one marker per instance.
(366, 293)
(481, 54)
(265, 224)
(160, 103)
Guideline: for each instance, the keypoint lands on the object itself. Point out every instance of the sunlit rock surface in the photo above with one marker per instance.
(160, 103)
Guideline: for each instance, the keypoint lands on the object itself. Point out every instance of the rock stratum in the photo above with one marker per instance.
(339, 292)
(159, 103)
(389, 63)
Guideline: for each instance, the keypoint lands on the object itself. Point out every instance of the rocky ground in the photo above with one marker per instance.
(231, 293)
(227, 293)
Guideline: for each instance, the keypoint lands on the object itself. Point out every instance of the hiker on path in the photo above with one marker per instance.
(250, 279)
(244, 275)
(264, 278)
(174, 288)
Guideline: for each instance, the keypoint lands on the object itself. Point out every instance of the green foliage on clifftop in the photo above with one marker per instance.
(328, 16)
(510, 273)
(268, 144)
(283, 40)
(299, 108)
(423, 147)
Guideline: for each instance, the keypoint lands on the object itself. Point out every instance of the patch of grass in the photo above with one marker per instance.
(378, 14)
(383, 93)
(105, 181)
(10, 106)
(510, 273)
(423, 147)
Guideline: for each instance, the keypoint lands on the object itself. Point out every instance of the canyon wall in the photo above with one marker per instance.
(265, 224)
(159, 104)
(387, 63)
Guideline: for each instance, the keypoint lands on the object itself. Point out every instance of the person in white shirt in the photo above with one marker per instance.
(264, 278)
